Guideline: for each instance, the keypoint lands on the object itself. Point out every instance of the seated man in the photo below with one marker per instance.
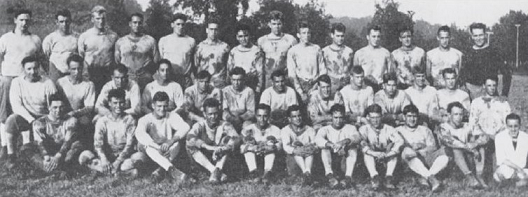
(196, 94)
(381, 144)
(420, 151)
(356, 96)
(511, 148)
(451, 93)
(212, 141)
(160, 134)
(391, 100)
(239, 100)
(163, 83)
(56, 144)
(320, 103)
(261, 139)
(114, 141)
(424, 98)
(298, 142)
(119, 81)
(465, 142)
(338, 142)
(279, 98)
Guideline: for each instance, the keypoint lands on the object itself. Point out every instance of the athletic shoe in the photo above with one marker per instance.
(389, 183)
(332, 181)
(435, 183)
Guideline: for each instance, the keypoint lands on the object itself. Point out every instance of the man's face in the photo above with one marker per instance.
(238, 82)
(31, 69)
(357, 79)
(203, 84)
(490, 87)
(279, 83)
(513, 125)
(325, 89)
(56, 109)
(243, 38)
(212, 31)
(338, 120)
(136, 24)
(160, 108)
(63, 23)
(479, 37)
(374, 119)
(99, 20)
(406, 38)
(262, 117)
(177, 26)
(390, 88)
(374, 38)
(75, 70)
(117, 105)
(450, 79)
(212, 115)
(275, 26)
(163, 71)
(120, 79)
(304, 35)
(338, 37)
(296, 118)
(443, 38)
(457, 115)
(22, 22)
(419, 79)
(411, 119)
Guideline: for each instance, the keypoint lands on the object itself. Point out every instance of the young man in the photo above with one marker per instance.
(212, 141)
(59, 45)
(239, 100)
(420, 151)
(178, 48)
(424, 97)
(197, 94)
(338, 58)
(163, 83)
(137, 51)
(248, 57)
(56, 144)
(321, 101)
(391, 100)
(262, 140)
(29, 96)
(298, 142)
(160, 135)
(339, 143)
(374, 59)
(305, 63)
(96, 45)
(512, 151)
(279, 97)
(451, 93)
(275, 46)
(211, 55)
(481, 62)
(114, 141)
(356, 96)
(442, 57)
(381, 144)
(407, 57)
(466, 142)
(120, 81)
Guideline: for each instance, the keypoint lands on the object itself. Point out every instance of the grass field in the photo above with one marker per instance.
(37, 185)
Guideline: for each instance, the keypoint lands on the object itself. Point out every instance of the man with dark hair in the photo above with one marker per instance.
(373, 58)
(407, 57)
(212, 141)
(356, 96)
(248, 57)
(261, 139)
(211, 55)
(451, 93)
(197, 94)
(59, 45)
(339, 143)
(424, 97)
(178, 48)
(239, 100)
(120, 81)
(160, 135)
(279, 98)
(275, 46)
(338, 58)
(420, 151)
(29, 96)
(137, 51)
(96, 45)
(481, 62)
(442, 57)
(163, 83)
(114, 141)
(391, 100)
(321, 101)
(512, 152)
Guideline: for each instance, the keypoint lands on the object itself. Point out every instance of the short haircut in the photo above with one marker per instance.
(338, 27)
(373, 27)
(293, 108)
(179, 16)
(492, 77)
(418, 70)
(243, 27)
(477, 26)
(454, 104)
(211, 102)
(29, 59)
(276, 15)
(374, 108)
(137, 14)
(390, 77)
(448, 71)
(324, 78)
(75, 58)
(55, 97)
(160, 96)
(513, 116)
(212, 20)
(302, 25)
(264, 107)
(163, 61)
(410, 109)
(203, 75)
(63, 12)
(277, 73)
(444, 28)
(357, 70)
(121, 68)
(116, 93)
(405, 29)
(23, 11)
(337, 108)
(237, 71)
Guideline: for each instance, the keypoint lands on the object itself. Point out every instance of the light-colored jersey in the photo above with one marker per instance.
(97, 47)
(173, 90)
(279, 101)
(132, 98)
(356, 101)
(338, 63)
(179, 51)
(454, 137)
(250, 59)
(115, 135)
(446, 96)
(319, 108)
(420, 134)
(30, 99)
(136, 53)
(59, 47)
(489, 113)
(384, 139)
(305, 63)
(375, 61)
(392, 105)
(201, 133)
(288, 136)
(212, 57)
(57, 131)
(242, 102)
(505, 150)
(333, 135)
(275, 49)
(152, 131)
(81, 96)
(438, 60)
(425, 100)
(260, 135)
(405, 61)
(194, 98)
(14, 48)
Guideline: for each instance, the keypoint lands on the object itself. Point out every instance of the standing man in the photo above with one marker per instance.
(407, 57)
(356, 96)
(239, 100)
(338, 58)
(275, 46)
(279, 97)
(137, 51)
(211, 55)
(59, 45)
(442, 57)
(96, 45)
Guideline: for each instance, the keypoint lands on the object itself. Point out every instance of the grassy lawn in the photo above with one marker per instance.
(12, 184)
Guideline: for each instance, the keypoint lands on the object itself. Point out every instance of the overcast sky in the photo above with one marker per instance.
(444, 12)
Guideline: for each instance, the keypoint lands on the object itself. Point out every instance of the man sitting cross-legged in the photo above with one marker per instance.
(338, 143)
(114, 140)
(420, 151)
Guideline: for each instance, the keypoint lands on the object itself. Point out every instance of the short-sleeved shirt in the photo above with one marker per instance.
(392, 105)
(14, 48)
(438, 60)
(406, 60)
(179, 51)
(275, 50)
(115, 135)
(356, 101)
(136, 53)
(59, 47)
(425, 100)
(212, 57)
(288, 136)
(97, 47)
(279, 101)
(375, 61)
